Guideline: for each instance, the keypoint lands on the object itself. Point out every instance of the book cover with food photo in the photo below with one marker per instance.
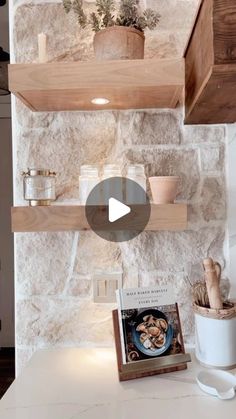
(149, 323)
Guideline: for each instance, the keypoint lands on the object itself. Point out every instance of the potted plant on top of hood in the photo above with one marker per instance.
(119, 35)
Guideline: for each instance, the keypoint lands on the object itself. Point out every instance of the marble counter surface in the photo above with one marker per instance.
(83, 384)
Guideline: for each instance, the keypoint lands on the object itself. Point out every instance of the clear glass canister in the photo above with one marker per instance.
(109, 171)
(136, 173)
(39, 186)
(89, 178)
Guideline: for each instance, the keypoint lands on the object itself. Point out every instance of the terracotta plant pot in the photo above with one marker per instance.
(164, 189)
(119, 43)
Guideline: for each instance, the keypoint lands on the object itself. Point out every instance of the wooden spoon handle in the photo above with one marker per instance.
(218, 270)
(212, 283)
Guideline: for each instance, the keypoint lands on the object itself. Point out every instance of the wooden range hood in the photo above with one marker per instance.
(210, 65)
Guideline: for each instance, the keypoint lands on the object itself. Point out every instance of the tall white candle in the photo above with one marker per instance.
(42, 47)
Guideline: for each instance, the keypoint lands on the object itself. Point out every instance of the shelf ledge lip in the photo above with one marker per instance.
(127, 84)
(58, 218)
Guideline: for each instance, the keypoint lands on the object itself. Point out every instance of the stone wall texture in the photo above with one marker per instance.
(53, 271)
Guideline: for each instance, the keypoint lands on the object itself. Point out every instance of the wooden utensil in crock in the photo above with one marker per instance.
(212, 278)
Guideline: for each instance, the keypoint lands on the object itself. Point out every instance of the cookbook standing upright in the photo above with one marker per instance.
(148, 333)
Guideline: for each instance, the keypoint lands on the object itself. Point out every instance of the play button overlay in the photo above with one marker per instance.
(118, 209)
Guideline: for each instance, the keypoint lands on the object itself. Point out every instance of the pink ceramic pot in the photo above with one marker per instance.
(164, 189)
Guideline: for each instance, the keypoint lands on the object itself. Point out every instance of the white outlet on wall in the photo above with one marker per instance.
(105, 285)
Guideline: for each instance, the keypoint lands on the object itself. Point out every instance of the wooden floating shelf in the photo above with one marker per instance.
(127, 84)
(210, 63)
(172, 217)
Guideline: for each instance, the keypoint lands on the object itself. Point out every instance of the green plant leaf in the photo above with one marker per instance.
(95, 23)
(78, 9)
(129, 14)
(152, 18)
(67, 4)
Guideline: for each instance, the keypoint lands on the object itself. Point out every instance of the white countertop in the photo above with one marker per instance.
(83, 384)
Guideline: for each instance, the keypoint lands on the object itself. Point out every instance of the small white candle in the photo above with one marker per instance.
(42, 47)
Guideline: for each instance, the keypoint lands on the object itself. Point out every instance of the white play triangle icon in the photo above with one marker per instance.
(117, 210)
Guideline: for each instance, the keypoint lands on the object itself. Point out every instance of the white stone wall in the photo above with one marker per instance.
(231, 189)
(53, 271)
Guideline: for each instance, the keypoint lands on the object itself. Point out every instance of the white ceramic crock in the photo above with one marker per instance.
(215, 339)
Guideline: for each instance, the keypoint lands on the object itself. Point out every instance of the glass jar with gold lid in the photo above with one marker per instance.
(39, 186)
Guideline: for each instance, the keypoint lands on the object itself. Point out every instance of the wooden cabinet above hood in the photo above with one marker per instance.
(210, 65)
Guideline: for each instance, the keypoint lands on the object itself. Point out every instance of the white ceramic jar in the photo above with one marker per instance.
(136, 173)
(88, 179)
(215, 337)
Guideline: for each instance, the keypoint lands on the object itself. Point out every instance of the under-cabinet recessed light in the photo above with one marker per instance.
(100, 101)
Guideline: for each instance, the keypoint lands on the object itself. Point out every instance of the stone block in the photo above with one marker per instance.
(212, 159)
(45, 322)
(27, 119)
(165, 44)
(169, 251)
(95, 254)
(174, 19)
(150, 127)
(42, 262)
(213, 199)
(79, 286)
(203, 134)
(194, 214)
